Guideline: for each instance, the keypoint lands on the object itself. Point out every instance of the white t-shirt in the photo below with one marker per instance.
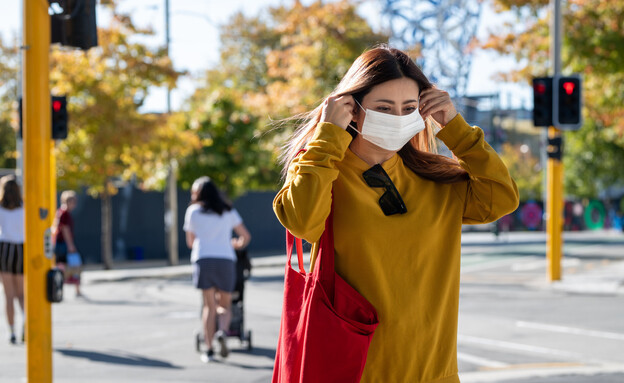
(213, 232)
(12, 225)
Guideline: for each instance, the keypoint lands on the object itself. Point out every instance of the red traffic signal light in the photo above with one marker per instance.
(539, 87)
(569, 87)
(57, 105)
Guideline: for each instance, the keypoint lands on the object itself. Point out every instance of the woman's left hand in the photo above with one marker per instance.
(437, 103)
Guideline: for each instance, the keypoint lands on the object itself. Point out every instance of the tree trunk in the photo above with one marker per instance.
(107, 230)
(171, 215)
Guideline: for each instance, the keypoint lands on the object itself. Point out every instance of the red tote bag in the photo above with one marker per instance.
(326, 325)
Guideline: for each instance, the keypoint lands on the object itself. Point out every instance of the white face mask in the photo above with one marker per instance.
(388, 131)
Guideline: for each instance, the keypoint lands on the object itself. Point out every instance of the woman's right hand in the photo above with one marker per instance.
(338, 110)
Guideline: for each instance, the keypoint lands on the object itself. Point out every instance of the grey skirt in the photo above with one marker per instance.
(216, 273)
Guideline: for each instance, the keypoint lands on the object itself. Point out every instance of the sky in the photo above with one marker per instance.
(194, 44)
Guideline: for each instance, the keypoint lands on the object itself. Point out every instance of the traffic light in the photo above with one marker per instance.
(542, 101)
(75, 26)
(59, 117)
(567, 109)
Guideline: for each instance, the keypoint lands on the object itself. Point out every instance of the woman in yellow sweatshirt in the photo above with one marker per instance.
(398, 206)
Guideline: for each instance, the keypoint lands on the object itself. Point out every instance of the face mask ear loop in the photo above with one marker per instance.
(360, 105)
(364, 110)
(353, 127)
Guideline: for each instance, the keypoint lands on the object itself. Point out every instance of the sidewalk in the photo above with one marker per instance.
(608, 278)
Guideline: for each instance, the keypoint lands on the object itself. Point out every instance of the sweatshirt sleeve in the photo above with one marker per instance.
(304, 202)
(490, 193)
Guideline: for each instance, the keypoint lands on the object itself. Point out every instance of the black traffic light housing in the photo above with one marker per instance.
(542, 101)
(568, 102)
(59, 115)
(557, 102)
(76, 25)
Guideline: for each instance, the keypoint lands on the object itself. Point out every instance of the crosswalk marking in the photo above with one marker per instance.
(479, 361)
(570, 330)
(467, 339)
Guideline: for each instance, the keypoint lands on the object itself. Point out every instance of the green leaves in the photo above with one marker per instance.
(109, 138)
(275, 65)
(593, 45)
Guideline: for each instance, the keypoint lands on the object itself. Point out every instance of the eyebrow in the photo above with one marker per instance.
(392, 102)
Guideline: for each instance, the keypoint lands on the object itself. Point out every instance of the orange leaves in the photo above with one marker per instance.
(593, 45)
(106, 85)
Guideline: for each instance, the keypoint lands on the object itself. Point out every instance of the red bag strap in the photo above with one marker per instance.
(324, 270)
(290, 239)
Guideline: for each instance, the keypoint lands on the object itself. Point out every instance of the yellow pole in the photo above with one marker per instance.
(37, 131)
(554, 223)
(52, 183)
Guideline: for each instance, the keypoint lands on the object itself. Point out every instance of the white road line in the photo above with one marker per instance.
(480, 361)
(467, 339)
(541, 264)
(571, 330)
(490, 265)
(498, 376)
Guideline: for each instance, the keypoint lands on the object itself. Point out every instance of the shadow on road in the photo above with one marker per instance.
(118, 357)
(268, 353)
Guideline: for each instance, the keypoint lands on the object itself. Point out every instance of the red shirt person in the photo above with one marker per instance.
(63, 236)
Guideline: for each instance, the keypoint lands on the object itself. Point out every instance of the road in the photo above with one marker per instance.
(514, 326)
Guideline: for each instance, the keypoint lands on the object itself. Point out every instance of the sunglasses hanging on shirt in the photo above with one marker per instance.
(390, 201)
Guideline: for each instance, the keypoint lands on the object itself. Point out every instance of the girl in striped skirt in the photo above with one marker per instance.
(12, 248)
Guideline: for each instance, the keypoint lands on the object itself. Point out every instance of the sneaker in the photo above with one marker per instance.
(223, 350)
(13, 340)
(208, 356)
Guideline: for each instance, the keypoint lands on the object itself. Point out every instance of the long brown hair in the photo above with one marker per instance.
(372, 68)
(10, 195)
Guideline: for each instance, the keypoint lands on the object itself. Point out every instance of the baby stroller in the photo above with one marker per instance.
(237, 325)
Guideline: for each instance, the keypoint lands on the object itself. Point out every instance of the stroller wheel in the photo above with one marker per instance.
(198, 341)
(249, 346)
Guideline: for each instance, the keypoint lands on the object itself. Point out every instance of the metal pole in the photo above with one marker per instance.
(167, 41)
(36, 131)
(554, 224)
(171, 190)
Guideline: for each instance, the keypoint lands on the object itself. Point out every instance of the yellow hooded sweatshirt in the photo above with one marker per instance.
(406, 265)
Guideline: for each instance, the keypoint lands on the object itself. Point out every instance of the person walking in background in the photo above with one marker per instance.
(12, 249)
(368, 154)
(208, 223)
(67, 256)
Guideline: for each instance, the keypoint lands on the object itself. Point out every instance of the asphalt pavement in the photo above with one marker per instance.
(137, 323)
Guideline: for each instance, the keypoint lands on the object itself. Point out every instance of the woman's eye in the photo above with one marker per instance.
(410, 109)
(383, 109)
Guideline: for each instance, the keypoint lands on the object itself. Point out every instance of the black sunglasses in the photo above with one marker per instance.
(390, 201)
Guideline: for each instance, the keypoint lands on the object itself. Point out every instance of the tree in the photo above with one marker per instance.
(109, 139)
(9, 81)
(593, 45)
(277, 64)
(287, 59)
(229, 153)
(526, 171)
